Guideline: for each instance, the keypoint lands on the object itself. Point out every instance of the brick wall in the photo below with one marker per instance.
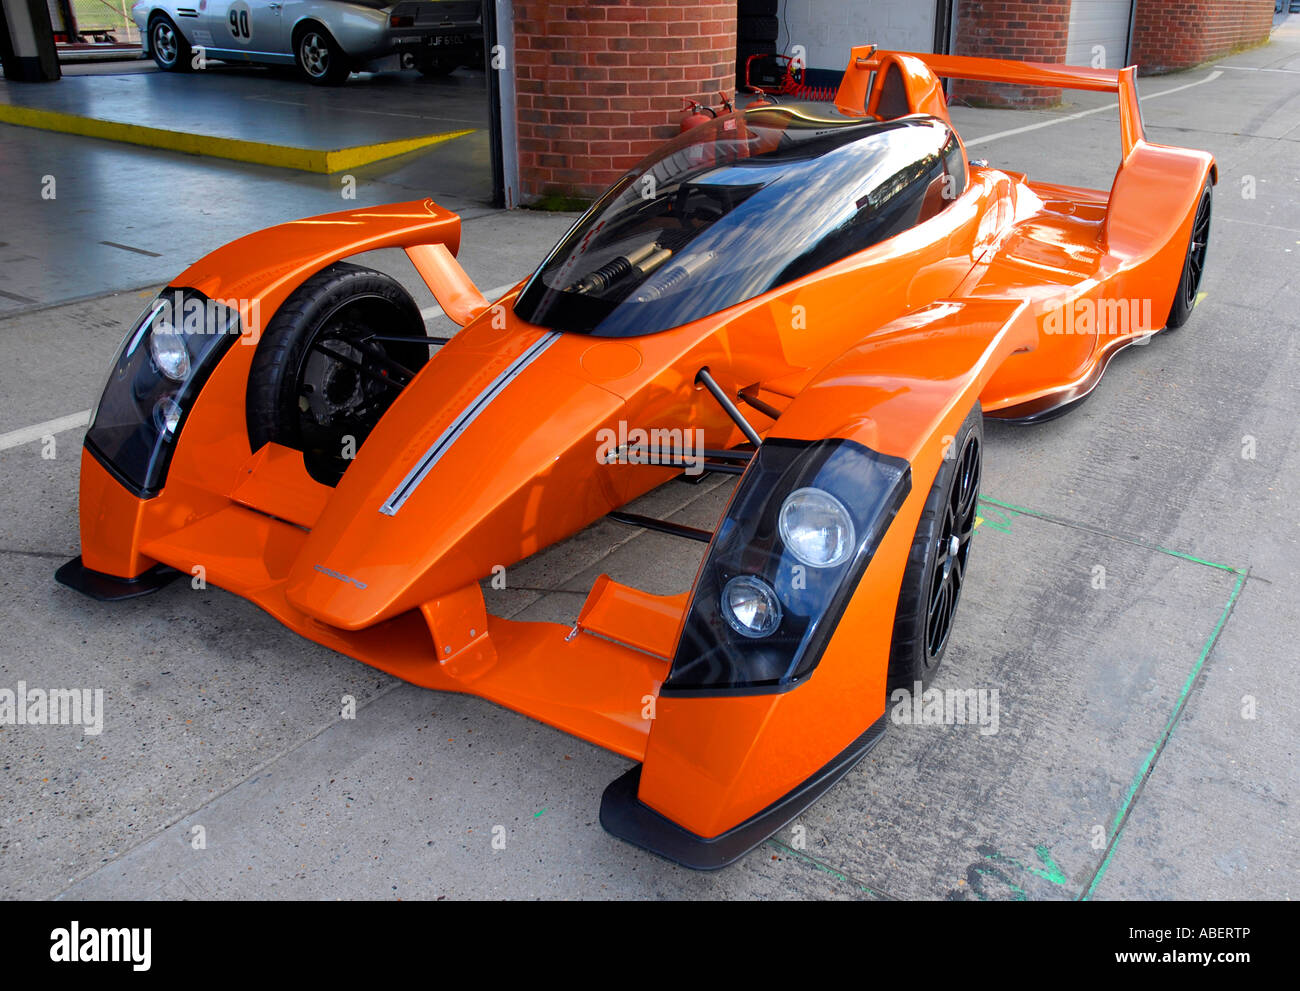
(600, 84)
(1021, 30)
(1184, 33)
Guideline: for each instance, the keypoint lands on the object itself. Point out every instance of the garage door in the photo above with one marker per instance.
(827, 29)
(1101, 23)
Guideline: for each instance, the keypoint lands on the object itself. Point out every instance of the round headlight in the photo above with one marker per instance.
(817, 528)
(751, 606)
(167, 415)
(167, 345)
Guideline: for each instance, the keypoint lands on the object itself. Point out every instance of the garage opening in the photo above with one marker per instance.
(1099, 33)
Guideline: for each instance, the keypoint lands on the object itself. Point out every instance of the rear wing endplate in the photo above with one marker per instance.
(866, 59)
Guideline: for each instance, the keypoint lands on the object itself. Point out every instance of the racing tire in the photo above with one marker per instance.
(170, 51)
(319, 58)
(301, 396)
(1189, 283)
(937, 562)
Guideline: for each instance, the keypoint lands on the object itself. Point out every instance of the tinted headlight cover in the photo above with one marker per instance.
(712, 658)
(129, 433)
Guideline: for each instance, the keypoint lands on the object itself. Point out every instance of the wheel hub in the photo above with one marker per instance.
(331, 389)
(165, 43)
(315, 56)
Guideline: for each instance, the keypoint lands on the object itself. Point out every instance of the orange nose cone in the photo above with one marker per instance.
(486, 457)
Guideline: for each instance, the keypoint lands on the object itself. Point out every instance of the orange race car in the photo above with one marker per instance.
(822, 301)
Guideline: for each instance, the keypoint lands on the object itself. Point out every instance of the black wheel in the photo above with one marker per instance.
(318, 384)
(168, 46)
(1189, 283)
(319, 57)
(436, 68)
(936, 566)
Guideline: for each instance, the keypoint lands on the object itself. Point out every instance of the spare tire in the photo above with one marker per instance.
(318, 384)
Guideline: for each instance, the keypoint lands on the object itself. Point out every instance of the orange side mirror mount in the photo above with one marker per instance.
(449, 283)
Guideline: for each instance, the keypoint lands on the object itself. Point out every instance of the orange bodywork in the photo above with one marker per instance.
(911, 333)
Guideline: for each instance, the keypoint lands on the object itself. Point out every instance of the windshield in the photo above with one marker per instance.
(733, 208)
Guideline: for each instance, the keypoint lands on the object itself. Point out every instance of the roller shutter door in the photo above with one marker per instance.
(1099, 22)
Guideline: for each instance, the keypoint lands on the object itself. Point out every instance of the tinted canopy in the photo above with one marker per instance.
(738, 206)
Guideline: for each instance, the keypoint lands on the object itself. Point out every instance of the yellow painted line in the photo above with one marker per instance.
(254, 152)
(352, 158)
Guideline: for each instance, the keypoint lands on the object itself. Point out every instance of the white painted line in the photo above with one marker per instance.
(491, 295)
(1085, 113)
(17, 438)
(1178, 89)
(1258, 68)
(1034, 127)
(1267, 227)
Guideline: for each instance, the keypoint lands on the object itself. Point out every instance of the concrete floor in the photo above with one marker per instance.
(124, 216)
(265, 104)
(1122, 707)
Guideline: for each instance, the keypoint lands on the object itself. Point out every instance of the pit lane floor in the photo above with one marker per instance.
(114, 216)
(1145, 743)
(257, 115)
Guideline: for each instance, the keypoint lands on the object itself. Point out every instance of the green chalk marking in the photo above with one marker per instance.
(824, 868)
(1199, 560)
(1049, 518)
(1020, 892)
(1052, 873)
(993, 518)
(1117, 826)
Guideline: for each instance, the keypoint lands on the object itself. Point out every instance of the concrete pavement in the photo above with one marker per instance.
(1147, 742)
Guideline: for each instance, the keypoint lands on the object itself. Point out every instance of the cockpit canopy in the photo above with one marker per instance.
(737, 206)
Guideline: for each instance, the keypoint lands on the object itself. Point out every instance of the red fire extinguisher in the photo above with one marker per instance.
(696, 114)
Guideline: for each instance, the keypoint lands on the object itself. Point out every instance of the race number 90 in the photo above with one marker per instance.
(241, 27)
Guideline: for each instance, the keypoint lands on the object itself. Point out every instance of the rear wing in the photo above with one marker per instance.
(864, 60)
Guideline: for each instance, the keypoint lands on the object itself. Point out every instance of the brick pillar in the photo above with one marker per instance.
(1020, 30)
(600, 84)
(1168, 37)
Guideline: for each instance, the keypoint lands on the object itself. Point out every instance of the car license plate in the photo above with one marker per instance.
(444, 40)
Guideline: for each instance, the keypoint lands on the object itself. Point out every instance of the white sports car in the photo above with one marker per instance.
(327, 39)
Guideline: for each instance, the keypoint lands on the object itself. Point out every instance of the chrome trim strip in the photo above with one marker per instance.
(458, 426)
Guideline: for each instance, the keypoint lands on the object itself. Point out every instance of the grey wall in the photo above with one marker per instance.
(829, 28)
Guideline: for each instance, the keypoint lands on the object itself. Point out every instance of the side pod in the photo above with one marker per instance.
(748, 733)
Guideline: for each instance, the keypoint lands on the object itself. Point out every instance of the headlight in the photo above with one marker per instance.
(816, 528)
(167, 414)
(159, 369)
(750, 606)
(167, 345)
(795, 541)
